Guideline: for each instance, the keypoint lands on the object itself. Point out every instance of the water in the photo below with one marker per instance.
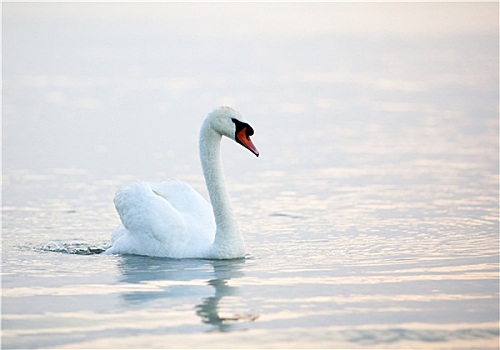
(371, 217)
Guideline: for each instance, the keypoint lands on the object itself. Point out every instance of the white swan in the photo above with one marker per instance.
(171, 219)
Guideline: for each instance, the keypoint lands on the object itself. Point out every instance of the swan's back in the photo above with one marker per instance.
(162, 219)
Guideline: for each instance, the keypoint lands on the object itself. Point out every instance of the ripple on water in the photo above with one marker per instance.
(78, 248)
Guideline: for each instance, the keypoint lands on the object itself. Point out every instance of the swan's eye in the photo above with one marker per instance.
(240, 126)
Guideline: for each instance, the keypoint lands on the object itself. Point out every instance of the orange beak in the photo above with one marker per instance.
(244, 139)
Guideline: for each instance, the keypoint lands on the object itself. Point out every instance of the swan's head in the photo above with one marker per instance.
(229, 122)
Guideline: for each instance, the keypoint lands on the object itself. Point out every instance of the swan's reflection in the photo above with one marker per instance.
(216, 273)
(209, 310)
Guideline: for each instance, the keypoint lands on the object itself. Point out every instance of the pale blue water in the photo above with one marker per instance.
(371, 217)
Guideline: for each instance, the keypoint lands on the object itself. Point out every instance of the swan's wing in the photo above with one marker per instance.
(163, 219)
(144, 213)
(197, 213)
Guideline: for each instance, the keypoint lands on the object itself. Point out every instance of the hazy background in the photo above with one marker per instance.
(122, 87)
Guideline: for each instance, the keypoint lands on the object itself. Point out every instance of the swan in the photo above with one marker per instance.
(171, 219)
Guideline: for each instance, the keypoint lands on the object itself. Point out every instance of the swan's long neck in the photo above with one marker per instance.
(228, 242)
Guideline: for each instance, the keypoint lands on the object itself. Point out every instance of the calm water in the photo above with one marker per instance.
(371, 217)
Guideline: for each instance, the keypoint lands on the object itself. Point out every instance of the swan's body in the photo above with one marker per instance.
(171, 219)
